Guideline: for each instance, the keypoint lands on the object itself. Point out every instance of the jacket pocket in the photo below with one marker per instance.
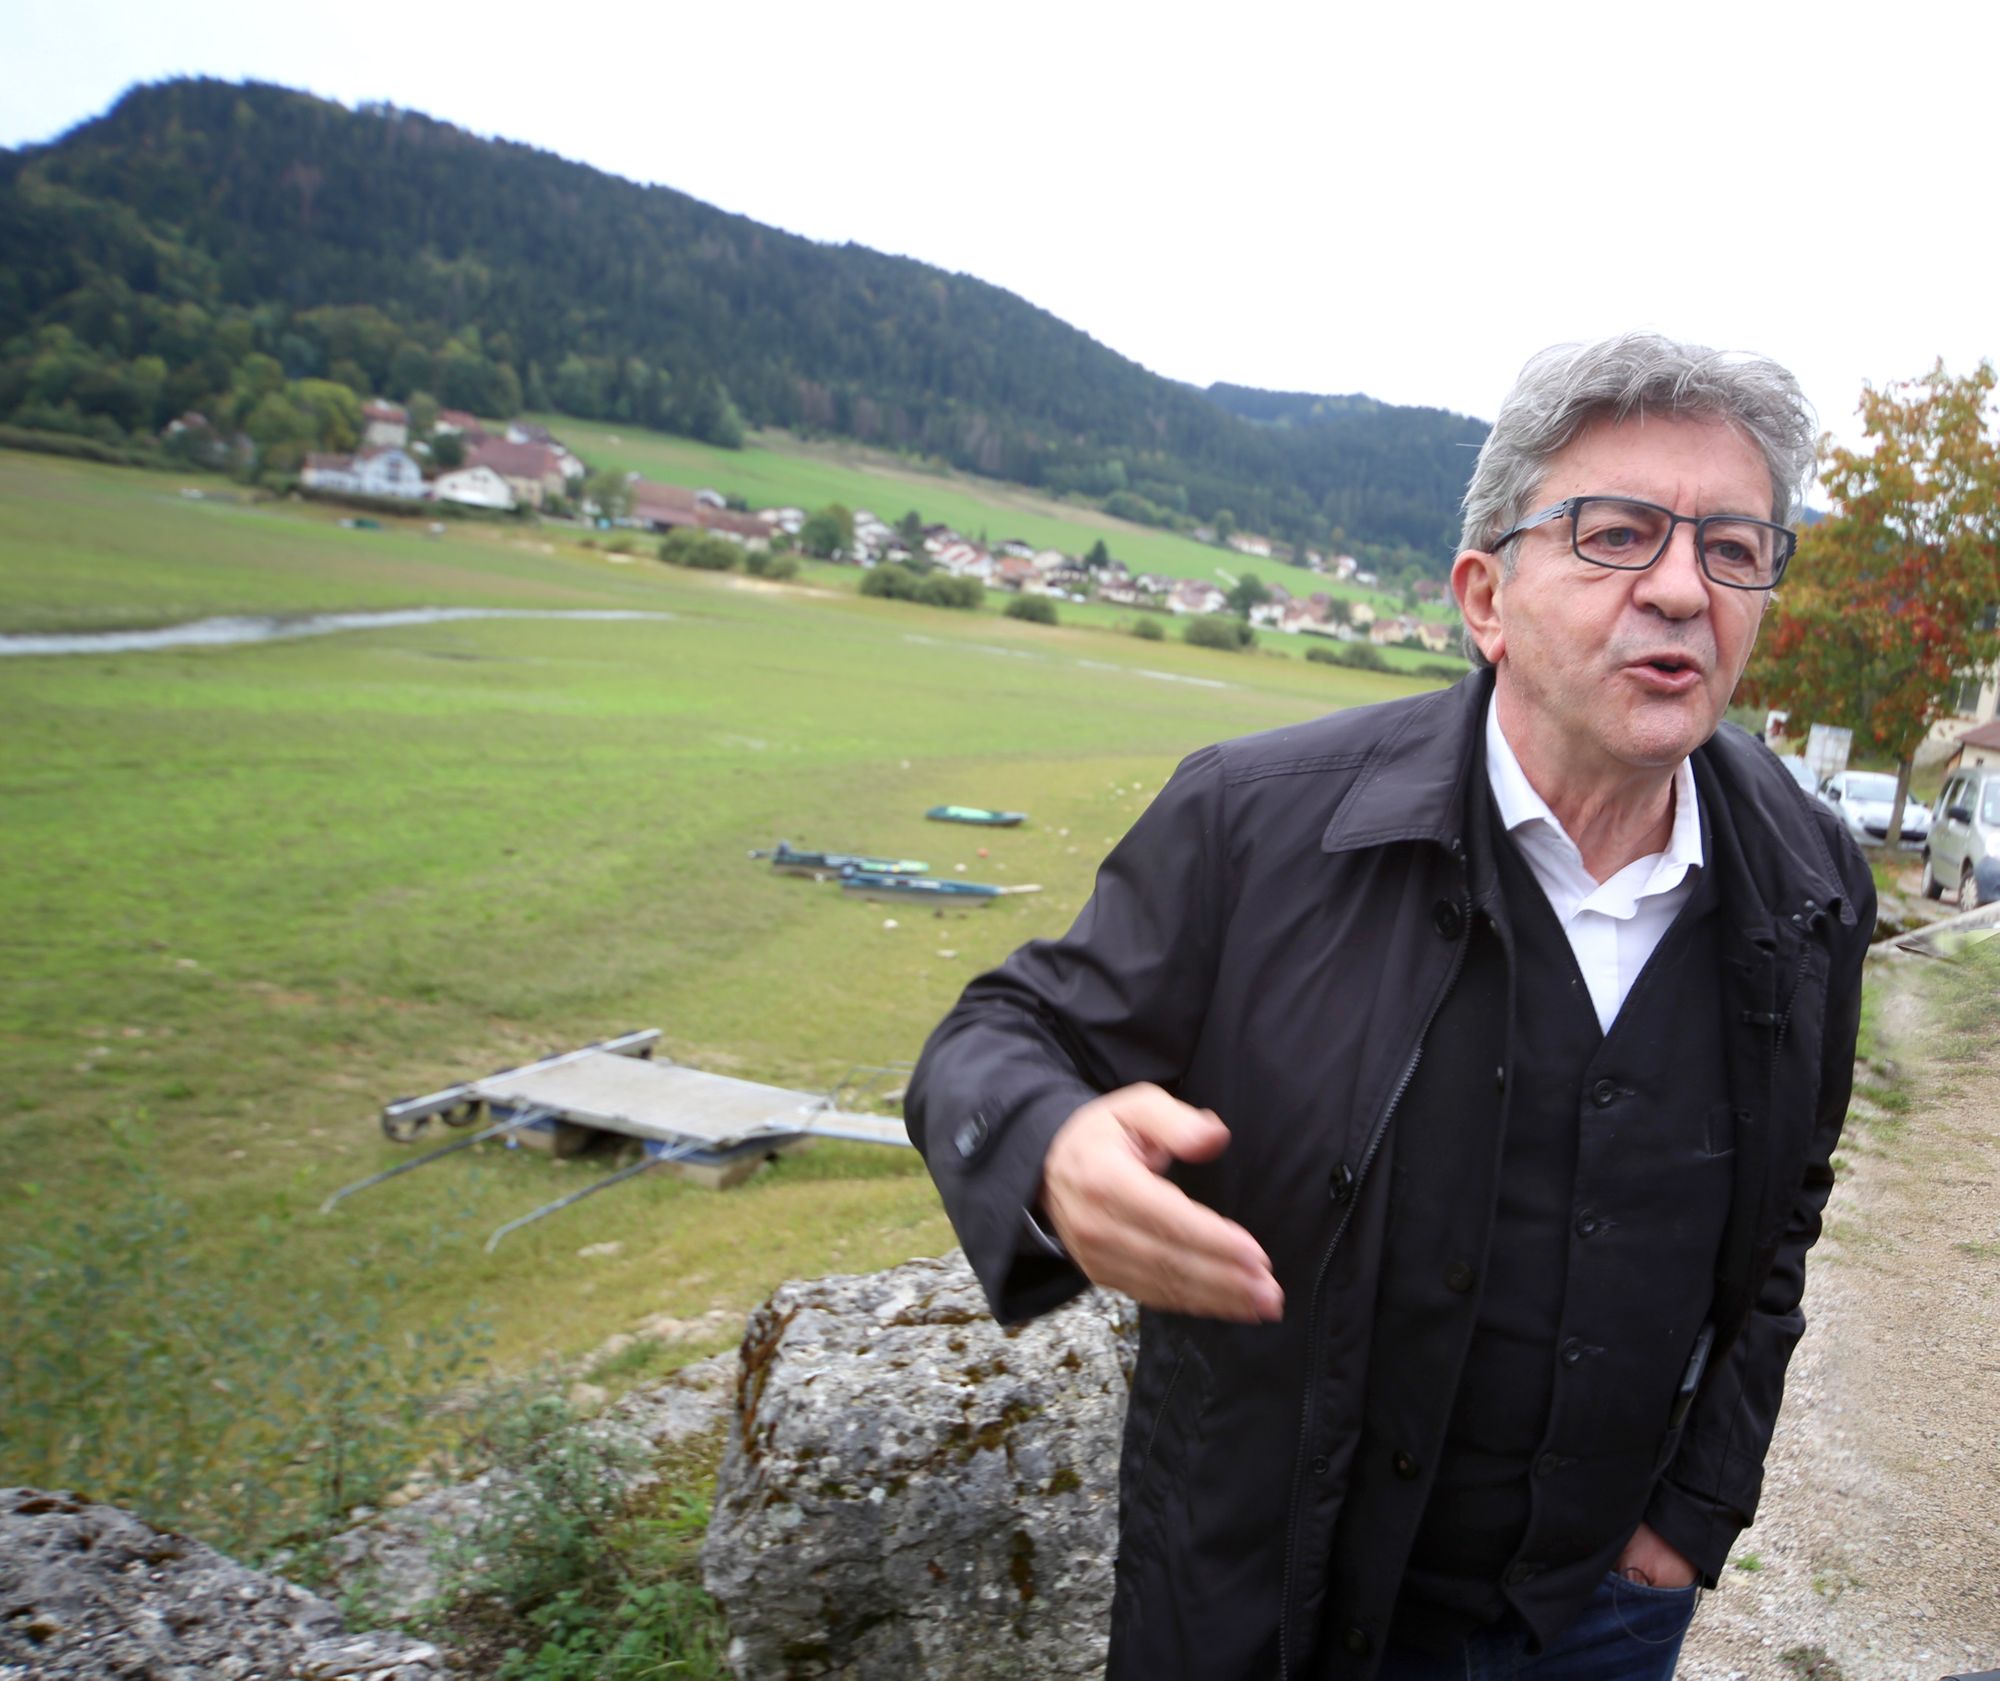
(1161, 1436)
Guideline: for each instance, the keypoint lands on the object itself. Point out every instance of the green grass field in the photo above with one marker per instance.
(775, 469)
(252, 893)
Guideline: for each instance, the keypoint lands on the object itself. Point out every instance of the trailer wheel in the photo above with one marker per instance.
(401, 1129)
(462, 1115)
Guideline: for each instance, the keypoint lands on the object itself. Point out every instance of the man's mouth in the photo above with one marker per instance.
(1668, 673)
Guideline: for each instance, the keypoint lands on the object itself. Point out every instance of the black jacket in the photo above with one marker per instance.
(1272, 940)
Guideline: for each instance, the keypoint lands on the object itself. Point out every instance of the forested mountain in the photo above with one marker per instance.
(146, 254)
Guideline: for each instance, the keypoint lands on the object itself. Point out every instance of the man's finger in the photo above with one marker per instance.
(1166, 1130)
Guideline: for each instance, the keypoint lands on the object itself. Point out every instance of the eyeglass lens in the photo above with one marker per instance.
(1746, 552)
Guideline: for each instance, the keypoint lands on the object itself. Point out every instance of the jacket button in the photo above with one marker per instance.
(1356, 1641)
(1319, 1464)
(1458, 1277)
(1604, 1094)
(1572, 1350)
(1404, 1466)
(1341, 1186)
(1547, 1465)
(1500, 1078)
(1522, 1571)
(1587, 1224)
(970, 1135)
(1447, 919)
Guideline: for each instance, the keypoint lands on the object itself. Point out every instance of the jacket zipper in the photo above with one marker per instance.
(1375, 1138)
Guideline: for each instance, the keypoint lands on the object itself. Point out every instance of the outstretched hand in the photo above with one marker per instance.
(1129, 1229)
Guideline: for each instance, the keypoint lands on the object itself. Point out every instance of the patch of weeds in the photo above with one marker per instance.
(1811, 1663)
(1750, 1563)
(1979, 1251)
(639, 1358)
(190, 1402)
(573, 1574)
(1833, 1581)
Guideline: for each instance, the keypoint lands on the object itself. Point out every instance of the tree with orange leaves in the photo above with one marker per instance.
(1891, 600)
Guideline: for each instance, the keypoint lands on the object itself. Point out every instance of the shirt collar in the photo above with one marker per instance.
(1520, 806)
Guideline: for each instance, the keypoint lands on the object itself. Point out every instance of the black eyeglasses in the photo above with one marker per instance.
(1736, 551)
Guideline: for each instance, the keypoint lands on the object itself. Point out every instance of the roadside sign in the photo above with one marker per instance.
(1827, 746)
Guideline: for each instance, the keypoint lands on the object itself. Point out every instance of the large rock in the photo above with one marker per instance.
(912, 1490)
(89, 1591)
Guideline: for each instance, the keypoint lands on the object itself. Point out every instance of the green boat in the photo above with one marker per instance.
(976, 814)
(967, 895)
(787, 860)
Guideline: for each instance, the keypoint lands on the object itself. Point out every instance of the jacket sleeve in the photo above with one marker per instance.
(1708, 1494)
(1119, 998)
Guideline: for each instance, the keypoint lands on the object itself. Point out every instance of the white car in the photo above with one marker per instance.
(1863, 798)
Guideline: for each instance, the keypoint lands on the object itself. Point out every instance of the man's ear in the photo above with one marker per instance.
(1476, 582)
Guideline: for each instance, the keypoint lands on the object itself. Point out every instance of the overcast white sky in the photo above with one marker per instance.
(1405, 201)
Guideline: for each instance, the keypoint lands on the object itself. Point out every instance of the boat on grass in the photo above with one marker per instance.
(977, 814)
(787, 860)
(965, 895)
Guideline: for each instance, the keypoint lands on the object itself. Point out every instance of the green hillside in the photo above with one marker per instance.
(150, 254)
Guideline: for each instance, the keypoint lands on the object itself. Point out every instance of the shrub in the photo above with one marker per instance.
(1362, 656)
(1442, 671)
(598, 1580)
(1036, 609)
(705, 553)
(1150, 630)
(1213, 630)
(763, 563)
(892, 583)
(896, 582)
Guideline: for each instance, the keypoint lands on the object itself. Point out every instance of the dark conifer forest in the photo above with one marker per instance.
(256, 254)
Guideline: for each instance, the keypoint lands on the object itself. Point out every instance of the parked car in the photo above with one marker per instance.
(1863, 798)
(1962, 851)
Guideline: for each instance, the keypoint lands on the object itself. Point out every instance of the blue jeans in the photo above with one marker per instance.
(1626, 1633)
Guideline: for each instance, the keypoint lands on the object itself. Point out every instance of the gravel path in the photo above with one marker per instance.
(1876, 1554)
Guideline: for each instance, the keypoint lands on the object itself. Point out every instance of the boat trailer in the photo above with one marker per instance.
(710, 1127)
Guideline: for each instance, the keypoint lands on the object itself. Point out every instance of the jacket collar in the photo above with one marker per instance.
(1412, 788)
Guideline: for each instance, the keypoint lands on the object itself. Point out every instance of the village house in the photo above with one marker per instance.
(1015, 572)
(473, 487)
(1016, 548)
(532, 470)
(457, 423)
(1345, 566)
(672, 507)
(791, 521)
(371, 472)
(1195, 595)
(1360, 614)
(1257, 547)
(527, 432)
(384, 425)
(1431, 589)
(1979, 746)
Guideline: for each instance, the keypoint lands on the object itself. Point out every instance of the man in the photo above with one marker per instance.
(1455, 1083)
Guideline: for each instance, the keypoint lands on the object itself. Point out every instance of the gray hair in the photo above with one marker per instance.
(1564, 388)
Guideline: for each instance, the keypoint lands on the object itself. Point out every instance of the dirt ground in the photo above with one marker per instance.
(1876, 1553)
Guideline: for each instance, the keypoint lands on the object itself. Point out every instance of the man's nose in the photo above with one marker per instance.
(1675, 585)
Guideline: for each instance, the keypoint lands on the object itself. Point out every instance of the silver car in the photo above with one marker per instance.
(1962, 851)
(1863, 798)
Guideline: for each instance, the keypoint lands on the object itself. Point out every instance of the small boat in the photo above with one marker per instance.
(966, 895)
(976, 814)
(823, 866)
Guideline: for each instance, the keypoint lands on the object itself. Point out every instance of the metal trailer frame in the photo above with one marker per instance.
(620, 1086)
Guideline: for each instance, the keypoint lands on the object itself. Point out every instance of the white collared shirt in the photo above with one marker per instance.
(1615, 925)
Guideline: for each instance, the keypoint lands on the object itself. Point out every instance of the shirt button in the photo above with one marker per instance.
(1604, 1094)
(1404, 1466)
(1572, 1351)
(1458, 1277)
(1587, 1224)
(1447, 918)
(970, 1135)
(1319, 1464)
